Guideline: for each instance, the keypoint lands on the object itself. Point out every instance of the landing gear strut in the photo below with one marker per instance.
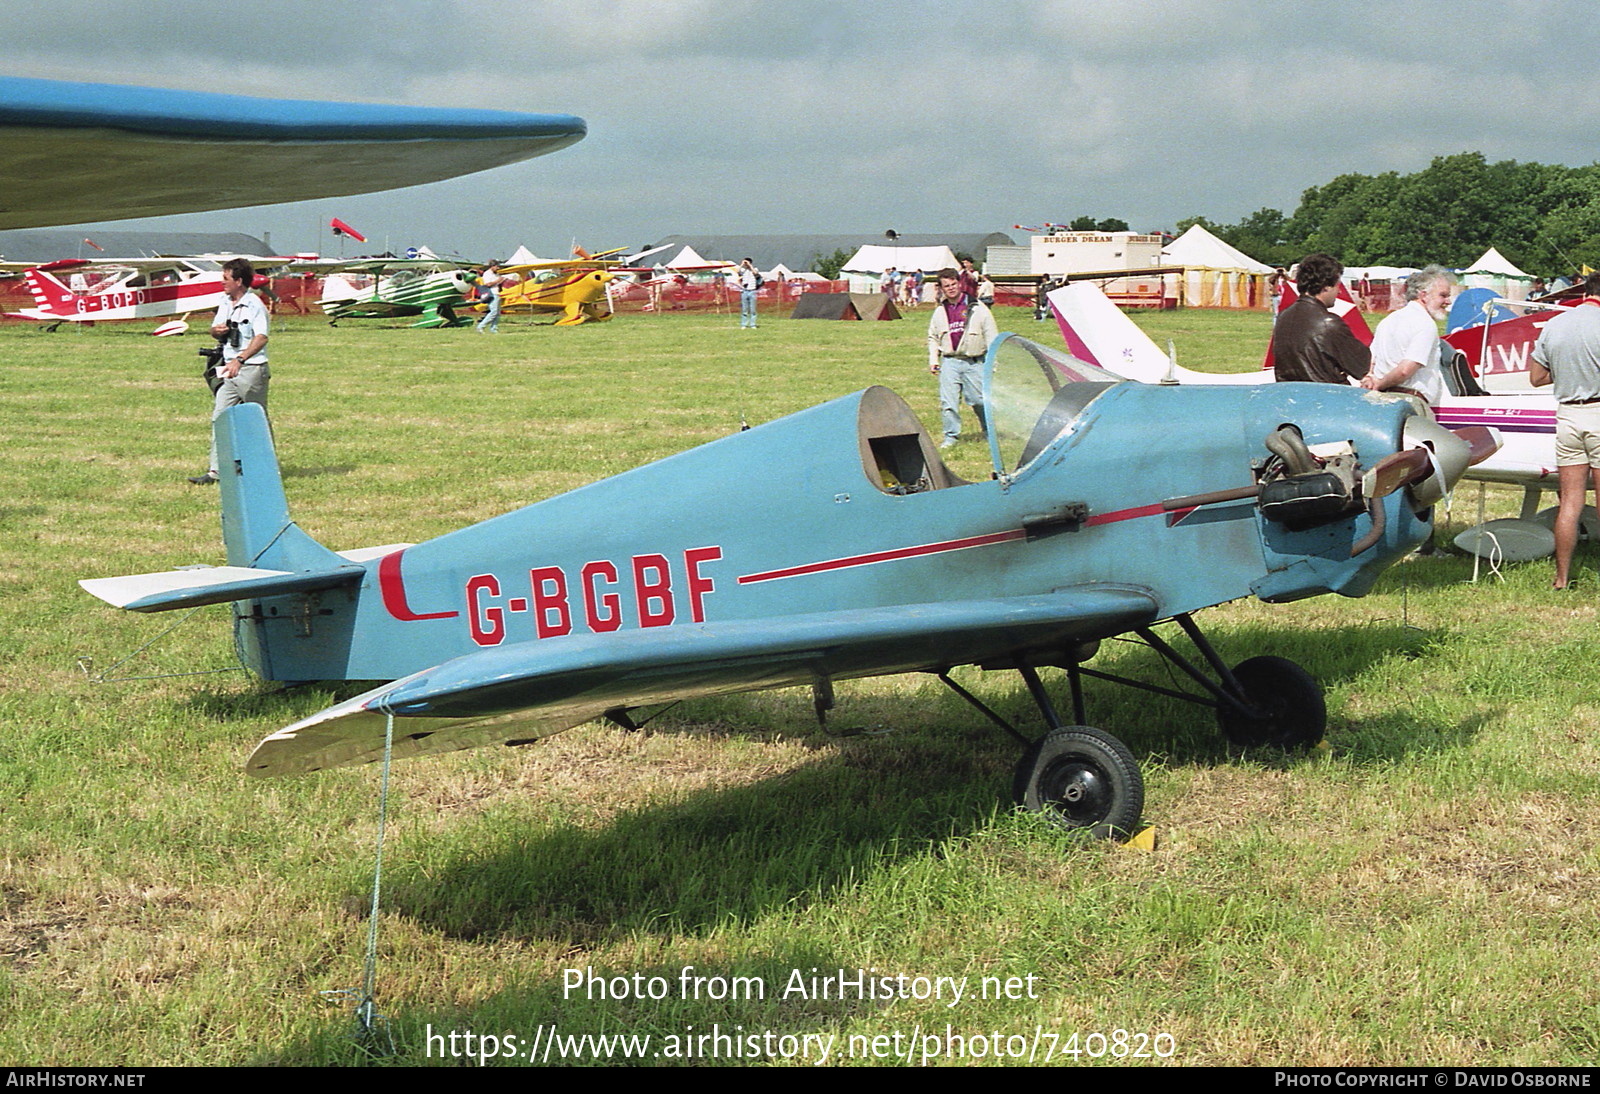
(1084, 778)
(1262, 701)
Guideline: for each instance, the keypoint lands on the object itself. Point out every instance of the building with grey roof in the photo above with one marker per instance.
(48, 244)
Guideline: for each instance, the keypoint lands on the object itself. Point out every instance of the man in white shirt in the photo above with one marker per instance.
(749, 286)
(489, 286)
(1405, 347)
(241, 326)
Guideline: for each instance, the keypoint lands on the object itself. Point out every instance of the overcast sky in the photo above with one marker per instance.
(738, 116)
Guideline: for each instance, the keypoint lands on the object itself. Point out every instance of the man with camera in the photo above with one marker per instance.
(240, 327)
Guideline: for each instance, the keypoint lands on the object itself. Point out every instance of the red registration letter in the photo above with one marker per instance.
(699, 586)
(592, 602)
(656, 589)
(488, 624)
(551, 617)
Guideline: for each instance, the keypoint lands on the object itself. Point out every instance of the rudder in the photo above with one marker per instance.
(256, 527)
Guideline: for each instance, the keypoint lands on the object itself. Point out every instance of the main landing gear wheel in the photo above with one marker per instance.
(1082, 778)
(1293, 713)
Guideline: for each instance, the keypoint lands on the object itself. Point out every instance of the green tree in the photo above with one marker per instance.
(1263, 235)
(1347, 218)
(1543, 217)
(830, 265)
(1569, 230)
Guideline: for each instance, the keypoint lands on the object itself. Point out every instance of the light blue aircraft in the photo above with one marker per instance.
(827, 545)
(834, 544)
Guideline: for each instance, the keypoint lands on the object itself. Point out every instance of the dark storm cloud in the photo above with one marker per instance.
(726, 115)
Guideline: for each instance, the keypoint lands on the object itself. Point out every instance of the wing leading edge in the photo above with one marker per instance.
(77, 152)
(536, 689)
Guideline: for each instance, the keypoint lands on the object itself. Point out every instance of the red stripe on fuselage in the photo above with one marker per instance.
(939, 548)
(1125, 514)
(885, 556)
(393, 588)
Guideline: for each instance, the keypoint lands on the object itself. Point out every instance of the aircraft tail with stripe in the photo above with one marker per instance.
(54, 300)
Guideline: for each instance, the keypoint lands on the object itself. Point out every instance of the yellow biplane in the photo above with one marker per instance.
(574, 287)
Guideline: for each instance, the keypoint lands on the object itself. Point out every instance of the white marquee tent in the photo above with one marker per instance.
(1495, 271)
(1217, 274)
(866, 267)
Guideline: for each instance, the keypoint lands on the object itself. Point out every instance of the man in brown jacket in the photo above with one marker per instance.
(1309, 341)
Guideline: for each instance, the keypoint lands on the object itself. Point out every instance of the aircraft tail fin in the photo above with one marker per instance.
(49, 293)
(1096, 331)
(256, 527)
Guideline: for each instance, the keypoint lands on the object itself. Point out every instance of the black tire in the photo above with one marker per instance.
(1295, 715)
(1082, 778)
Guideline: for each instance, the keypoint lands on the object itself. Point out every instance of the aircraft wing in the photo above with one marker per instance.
(563, 264)
(521, 692)
(79, 152)
(370, 265)
(362, 307)
(143, 264)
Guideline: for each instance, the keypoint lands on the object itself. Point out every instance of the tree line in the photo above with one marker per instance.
(1543, 217)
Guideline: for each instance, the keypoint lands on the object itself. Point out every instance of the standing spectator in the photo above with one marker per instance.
(959, 333)
(1311, 343)
(969, 279)
(749, 285)
(1567, 357)
(489, 292)
(1275, 286)
(241, 326)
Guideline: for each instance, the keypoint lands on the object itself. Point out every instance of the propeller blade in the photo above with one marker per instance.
(1483, 441)
(1396, 471)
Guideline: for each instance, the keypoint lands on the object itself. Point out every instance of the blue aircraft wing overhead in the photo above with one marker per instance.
(78, 152)
(535, 689)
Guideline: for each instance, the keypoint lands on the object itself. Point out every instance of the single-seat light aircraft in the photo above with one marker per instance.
(574, 288)
(835, 544)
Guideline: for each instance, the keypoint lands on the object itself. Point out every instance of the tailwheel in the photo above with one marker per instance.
(1283, 706)
(1082, 778)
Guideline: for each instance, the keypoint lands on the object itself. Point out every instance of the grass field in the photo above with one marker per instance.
(1420, 891)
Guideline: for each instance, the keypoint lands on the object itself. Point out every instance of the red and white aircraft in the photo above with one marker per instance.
(118, 289)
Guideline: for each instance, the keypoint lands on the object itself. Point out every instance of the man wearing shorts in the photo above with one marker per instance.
(1567, 358)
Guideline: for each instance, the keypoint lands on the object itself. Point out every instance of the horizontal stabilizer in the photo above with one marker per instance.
(535, 689)
(195, 586)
